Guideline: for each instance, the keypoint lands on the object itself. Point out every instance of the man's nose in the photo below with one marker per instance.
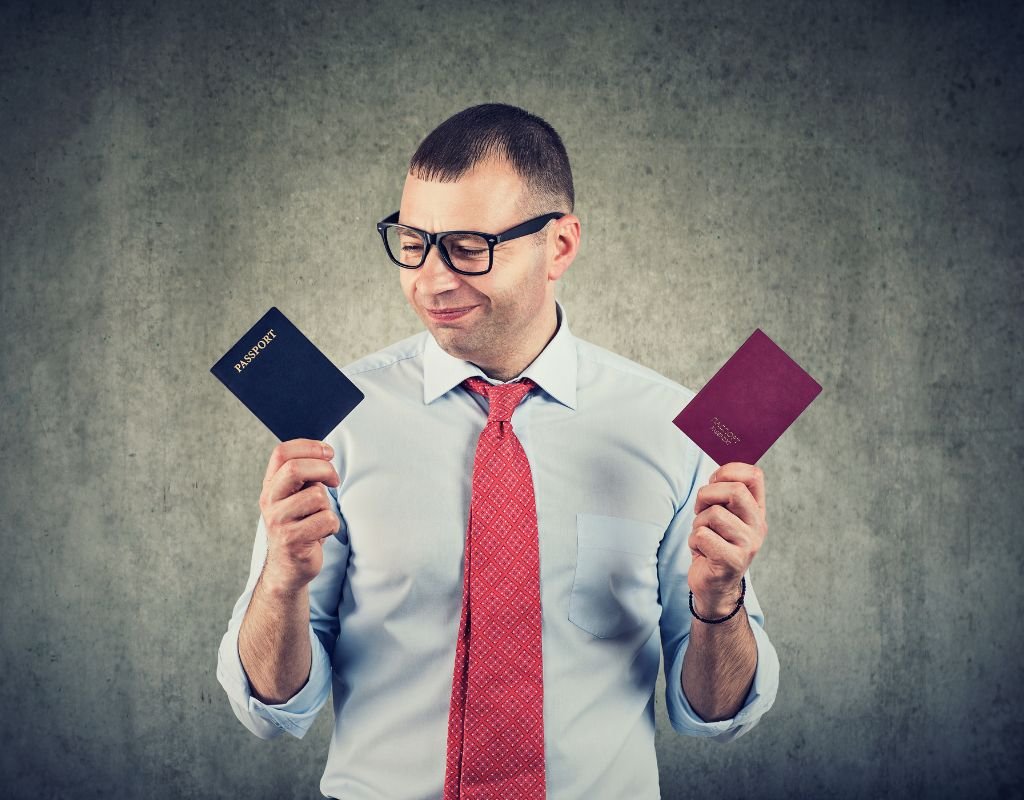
(435, 272)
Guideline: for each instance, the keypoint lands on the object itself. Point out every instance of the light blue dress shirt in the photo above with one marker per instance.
(615, 483)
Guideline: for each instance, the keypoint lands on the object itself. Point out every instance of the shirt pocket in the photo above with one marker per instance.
(615, 587)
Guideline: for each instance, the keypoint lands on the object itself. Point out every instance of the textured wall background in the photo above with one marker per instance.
(846, 176)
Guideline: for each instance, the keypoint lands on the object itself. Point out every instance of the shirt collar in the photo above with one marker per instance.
(554, 370)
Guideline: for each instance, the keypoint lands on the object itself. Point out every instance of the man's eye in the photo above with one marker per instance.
(469, 252)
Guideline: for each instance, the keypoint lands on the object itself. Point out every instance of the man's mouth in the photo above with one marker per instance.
(449, 314)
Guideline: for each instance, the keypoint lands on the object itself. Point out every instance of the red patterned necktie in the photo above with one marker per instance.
(496, 716)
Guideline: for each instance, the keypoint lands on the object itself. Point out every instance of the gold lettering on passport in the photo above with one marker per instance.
(268, 337)
(722, 432)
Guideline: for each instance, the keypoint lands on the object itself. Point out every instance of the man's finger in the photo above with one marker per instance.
(295, 448)
(298, 473)
(723, 522)
(733, 495)
(749, 474)
(713, 547)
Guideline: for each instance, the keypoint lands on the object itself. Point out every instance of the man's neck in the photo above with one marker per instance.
(507, 373)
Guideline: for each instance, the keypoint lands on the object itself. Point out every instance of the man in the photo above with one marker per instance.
(516, 656)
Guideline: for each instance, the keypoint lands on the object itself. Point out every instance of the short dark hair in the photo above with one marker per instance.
(531, 146)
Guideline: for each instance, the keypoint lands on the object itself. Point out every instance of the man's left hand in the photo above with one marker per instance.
(729, 528)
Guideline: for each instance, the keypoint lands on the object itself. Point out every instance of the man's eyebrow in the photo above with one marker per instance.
(422, 228)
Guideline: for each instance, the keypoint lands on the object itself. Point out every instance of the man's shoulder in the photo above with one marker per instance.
(627, 372)
(394, 353)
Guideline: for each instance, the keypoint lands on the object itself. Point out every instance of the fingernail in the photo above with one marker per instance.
(328, 450)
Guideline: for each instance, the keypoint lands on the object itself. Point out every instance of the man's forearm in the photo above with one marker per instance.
(719, 664)
(273, 643)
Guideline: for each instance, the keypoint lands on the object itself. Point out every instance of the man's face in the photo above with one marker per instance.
(509, 301)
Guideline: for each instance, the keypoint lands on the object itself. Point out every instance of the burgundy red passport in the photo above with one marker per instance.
(748, 403)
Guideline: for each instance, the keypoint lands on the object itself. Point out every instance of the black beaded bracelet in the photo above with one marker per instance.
(743, 591)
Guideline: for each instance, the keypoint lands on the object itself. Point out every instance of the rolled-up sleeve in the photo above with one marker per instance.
(297, 714)
(269, 720)
(673, 565)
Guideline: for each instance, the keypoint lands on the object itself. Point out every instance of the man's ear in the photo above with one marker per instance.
(565, 241)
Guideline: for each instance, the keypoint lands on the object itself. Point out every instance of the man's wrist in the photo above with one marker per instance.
(716, 606)
(281, 591)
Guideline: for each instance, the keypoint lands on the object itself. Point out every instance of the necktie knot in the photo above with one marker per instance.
(503, 398)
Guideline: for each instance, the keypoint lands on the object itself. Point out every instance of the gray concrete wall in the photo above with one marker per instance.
(846, 176)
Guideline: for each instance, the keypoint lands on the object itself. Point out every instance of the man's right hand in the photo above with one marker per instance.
(298, 512)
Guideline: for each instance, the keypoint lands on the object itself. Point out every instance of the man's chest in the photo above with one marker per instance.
(602, 504)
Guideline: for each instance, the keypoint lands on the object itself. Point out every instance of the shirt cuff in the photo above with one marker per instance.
(267, 720)
(758, 700)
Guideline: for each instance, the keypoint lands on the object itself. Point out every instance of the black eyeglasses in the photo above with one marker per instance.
(466, 252)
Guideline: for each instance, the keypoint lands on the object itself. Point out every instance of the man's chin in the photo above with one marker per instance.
(456, 343)
(452, 341)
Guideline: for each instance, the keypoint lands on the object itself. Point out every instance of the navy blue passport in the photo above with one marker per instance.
(286, 381)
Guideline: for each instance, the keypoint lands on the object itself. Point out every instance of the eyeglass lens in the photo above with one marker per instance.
(467, 252)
